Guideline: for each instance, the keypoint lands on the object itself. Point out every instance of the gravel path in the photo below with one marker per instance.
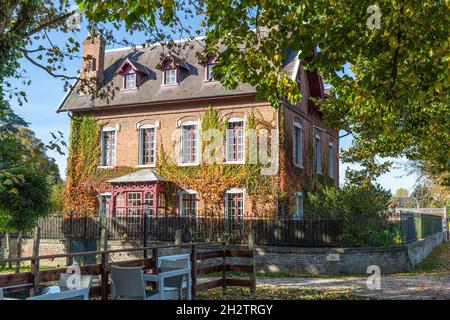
(427, 286)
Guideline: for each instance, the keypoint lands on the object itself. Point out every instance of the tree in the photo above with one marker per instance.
(363, 210)
(397, 96)
(24, 201)
(393, 100)
(401, 193)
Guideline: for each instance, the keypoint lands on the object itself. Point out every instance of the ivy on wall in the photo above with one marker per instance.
(85, 179)
(212, 180)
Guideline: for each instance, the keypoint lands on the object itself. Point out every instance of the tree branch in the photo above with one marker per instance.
(25, 54)
(50, 23)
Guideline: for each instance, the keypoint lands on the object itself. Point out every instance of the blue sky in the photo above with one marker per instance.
(45, 94)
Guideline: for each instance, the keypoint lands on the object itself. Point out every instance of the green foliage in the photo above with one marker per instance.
(363, 209)
(395, 100)
(24, 201)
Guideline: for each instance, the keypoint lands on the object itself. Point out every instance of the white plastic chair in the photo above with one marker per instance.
(76, 294)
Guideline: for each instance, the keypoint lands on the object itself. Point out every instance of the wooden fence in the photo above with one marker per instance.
(35, 278)
(279, 232)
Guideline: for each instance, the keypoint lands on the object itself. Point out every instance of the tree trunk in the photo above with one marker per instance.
(19, 251)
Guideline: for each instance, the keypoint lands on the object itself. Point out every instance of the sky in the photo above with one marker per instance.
(45, 94)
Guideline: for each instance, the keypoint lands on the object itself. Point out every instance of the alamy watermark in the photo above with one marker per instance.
(374, 20)
(373, 282)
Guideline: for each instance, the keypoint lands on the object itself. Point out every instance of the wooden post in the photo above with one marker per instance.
(155, 259)
(252, 246)
(194, 271)
(103, 243)
(104, 274)
(35, 262)
(224, 268)
(19, 250)
(178, 240)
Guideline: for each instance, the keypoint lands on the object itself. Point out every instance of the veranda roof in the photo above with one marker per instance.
(144, 175)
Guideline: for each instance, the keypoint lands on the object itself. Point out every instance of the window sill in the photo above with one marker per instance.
(106, 167)
(146, 166)
(129, 89)
(210, 81)
(234, 162)
(299, 166)
(169, 85)
(188, 164)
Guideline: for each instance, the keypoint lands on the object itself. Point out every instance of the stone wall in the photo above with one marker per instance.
(419, 250)
(316, 261)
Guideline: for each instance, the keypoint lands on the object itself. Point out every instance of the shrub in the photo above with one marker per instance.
(363, 209)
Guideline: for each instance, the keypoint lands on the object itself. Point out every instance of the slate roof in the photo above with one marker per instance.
(191, 86)
(144, 175)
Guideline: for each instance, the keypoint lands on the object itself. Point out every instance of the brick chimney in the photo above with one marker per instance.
(93, 58)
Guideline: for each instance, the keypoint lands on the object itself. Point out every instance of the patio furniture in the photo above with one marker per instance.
(128, 284)
(76, 294)
(177, 262)
(3, 290)
(84, 281)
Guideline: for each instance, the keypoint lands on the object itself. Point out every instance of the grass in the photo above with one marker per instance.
(437, 262)
(5, 270)
(278, 293)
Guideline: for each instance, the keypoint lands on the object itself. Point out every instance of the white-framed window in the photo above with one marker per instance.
(235, 140)
(298, 205)
(149, 205)
(108, 147)
(331, 159)
(170, 76)
(209, 71)
(147, 145)
(134, 204)
(129, 81)
(318, 153)
(298, 144)
(188, 203)
(189, 142)
(234, 205)
(120, 205)
(104, 204)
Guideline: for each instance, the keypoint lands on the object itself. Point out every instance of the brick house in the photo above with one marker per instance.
(159, 110)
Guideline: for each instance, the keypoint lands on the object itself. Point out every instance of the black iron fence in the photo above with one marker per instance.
(417, 226)
(282, 232)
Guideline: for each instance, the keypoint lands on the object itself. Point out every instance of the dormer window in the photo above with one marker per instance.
(133, 73)
(129, 81)
(209, 68)
(170, 76)
(209, 71)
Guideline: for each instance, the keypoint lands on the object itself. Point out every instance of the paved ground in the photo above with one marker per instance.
(405, 287)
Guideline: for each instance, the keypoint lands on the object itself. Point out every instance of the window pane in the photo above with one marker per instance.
(170, 76)
(331, 160)
(147, 147)
(234, 204)
(209, 71)
(235, 141)
(130, 81)
(318, 159)
(108, 148)
(189, 205)
(298, 146)
(189, 137)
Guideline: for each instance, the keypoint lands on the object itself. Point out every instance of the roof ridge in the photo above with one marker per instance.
(153, 45)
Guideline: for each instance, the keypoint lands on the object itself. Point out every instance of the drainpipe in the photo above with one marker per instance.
(278, 157)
